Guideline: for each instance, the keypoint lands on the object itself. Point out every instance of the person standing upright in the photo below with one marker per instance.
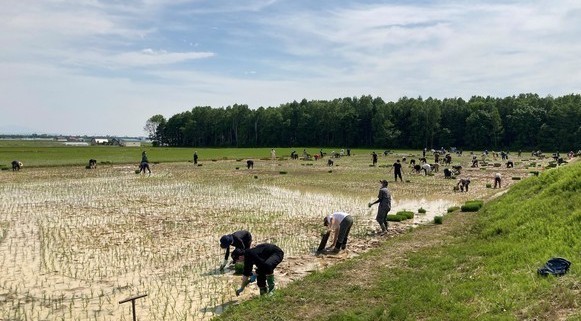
(397, 170)
(384, 200)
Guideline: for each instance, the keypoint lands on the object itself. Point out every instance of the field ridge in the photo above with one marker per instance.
(479, 266)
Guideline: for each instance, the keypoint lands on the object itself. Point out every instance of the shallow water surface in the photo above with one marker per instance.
(433, 207)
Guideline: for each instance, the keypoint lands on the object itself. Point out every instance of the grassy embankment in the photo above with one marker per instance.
(476, 266)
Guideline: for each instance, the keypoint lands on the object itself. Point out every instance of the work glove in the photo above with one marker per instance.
(238, 291)
(223, 265)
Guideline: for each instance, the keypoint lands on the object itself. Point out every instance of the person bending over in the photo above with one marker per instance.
(266, 257)
(240, 240)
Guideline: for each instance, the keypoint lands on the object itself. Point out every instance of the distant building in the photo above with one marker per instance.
(76, 144)
(99, 141)
(130, 142)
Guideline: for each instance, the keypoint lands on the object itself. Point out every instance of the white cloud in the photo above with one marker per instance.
(98, 67)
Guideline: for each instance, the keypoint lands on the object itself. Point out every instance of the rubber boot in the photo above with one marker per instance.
(270, 281)
(263, 290)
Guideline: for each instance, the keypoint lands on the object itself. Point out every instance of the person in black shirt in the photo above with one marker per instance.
(266, 257)
(144, 163)
(240, 240)
(397, 170)
(463, 184)
(374, 158)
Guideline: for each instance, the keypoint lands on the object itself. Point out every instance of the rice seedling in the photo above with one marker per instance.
(74, 242)
(438, 219)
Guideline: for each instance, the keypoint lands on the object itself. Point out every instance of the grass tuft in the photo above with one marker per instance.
(453, 209)
(472, 206)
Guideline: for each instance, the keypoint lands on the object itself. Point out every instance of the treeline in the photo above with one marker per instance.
(523, 122)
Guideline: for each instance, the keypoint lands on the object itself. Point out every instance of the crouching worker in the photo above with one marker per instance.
(339, 224)
(463, 184)
(16, 165)
(240, 240)
(266, 257)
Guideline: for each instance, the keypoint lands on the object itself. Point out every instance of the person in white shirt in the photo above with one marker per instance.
(338, 223)
(497, 180)
(427, 169)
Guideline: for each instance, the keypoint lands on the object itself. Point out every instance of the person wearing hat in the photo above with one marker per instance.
(240, 240)
(384, 200)
(266, 257)
(339, 223)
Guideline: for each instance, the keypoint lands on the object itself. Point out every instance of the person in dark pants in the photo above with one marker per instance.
(338, 223)
(497, 180)
(266, 257)
(397, 170)
(384, 200)
(144, 163)
(463, 184)
(374, 158)
(16, 165)
(240, 240)
(195, 157)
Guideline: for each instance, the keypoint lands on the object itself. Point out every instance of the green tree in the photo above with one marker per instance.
(154, 127)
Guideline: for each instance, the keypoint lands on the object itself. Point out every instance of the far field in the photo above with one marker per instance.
(74, 241)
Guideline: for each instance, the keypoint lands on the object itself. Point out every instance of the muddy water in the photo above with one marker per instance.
(433, 207)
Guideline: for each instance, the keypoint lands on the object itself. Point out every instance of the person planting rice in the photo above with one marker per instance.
(417, 169)
(427, 169)
(92, 163)
(16, 165)
(338, 223)
(240, 240)
(144, 163)
(266, 257)
(463, 184)
(447, 173)
(384, 200)
(497, 180)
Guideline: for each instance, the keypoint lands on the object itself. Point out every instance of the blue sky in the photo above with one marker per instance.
(104, 67)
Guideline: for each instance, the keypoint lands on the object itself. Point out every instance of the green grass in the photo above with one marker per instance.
(472, 206)
(453, 208)
(51, 153)
(407, 214)
(473, 268)
(396, 218)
